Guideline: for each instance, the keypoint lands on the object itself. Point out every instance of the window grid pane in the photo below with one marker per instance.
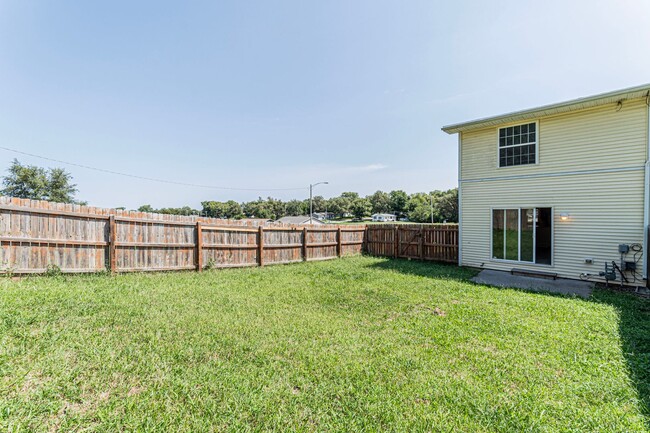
(517, 145)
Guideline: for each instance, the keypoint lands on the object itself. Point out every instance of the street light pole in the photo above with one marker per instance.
(311, 204)
(311, 200)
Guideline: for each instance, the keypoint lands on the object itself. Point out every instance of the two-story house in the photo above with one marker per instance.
(558, 188)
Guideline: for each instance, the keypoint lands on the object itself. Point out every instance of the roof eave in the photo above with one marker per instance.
(547, 110)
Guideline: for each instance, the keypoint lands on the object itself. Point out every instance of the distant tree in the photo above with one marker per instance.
(25, 181)
(345, 201)
(380, 202)
(258, 209)
(37, 183)
(360, 207)
(232, 210)
(447, 206)
(185, 210)
(211, 208)
(297, 207)
(277, 207)
(419, 208)
(444, 209)
(337, 206)
(398, 202)
(60, 187)
(349, 195)
(216, 209)
(320, 204)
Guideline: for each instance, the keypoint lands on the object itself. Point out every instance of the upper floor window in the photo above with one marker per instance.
(517, 145)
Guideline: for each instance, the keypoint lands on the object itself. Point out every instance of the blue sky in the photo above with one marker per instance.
(279, 94)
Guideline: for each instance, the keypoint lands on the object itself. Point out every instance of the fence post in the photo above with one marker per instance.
(199, 247)
(422, 242)
(364, 245)
(112, 239)
(338, 242)
(304, 244)
(260, 246)
(396, 243)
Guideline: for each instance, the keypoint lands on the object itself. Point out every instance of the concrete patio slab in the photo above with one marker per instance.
(562, 286)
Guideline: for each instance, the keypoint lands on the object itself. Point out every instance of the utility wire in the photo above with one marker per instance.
(152, 179)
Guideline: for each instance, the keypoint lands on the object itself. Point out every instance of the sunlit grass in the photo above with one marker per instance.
(356, 344)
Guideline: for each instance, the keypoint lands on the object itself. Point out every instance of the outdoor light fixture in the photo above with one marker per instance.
(564, 216)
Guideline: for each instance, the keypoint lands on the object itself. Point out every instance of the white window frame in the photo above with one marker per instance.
(519, 208)
(536, 122)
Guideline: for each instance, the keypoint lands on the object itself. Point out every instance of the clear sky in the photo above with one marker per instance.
(278, 94)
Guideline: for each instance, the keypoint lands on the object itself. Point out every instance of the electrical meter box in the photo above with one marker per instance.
(623, 248)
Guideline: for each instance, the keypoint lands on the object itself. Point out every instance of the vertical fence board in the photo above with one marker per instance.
(199, 247)
(112, 244)
(260, 246)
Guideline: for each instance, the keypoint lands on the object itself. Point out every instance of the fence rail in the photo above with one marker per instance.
(35, 235)
(437, 242)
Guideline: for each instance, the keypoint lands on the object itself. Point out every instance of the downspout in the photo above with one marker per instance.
(646, 203)
(646, 195)
(460, 204)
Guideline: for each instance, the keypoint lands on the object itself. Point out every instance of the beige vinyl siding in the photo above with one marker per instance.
(605, 210)
(605, 204)
(585, 140)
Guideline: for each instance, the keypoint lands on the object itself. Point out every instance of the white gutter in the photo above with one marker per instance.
(460, 204)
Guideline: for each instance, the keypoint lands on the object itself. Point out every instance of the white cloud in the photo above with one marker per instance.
(369, 167)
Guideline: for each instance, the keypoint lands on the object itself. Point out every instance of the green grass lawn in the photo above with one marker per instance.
(356, 344)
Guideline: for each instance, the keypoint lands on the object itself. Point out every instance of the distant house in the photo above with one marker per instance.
(301, 219)
(383, 217)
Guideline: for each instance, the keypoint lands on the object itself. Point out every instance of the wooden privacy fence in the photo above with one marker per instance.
(35, 235)
(437, 242)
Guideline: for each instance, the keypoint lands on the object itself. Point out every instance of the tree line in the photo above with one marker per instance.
(417, 207)
(37, 183)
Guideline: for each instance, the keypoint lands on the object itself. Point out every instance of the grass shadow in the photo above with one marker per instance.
(426, 269)
(634, 330)
(633, 311)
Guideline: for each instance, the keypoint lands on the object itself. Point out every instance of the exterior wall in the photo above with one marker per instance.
(590, 165)
(584, 140)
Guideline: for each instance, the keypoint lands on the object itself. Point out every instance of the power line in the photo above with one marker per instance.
(152, 179)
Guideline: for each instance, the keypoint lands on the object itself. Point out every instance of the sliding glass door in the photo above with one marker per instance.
(522, 235)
